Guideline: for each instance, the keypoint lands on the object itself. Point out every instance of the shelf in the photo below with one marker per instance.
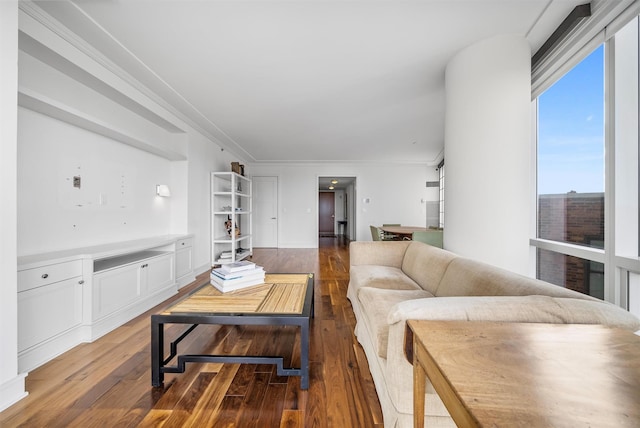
(173, 147)
(230, 199)
(239, 257)
(227, 240)
(231, 212)
(111, 262)
(243, 195)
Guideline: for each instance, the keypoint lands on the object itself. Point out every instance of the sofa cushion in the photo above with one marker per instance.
(426, 264)
(380, 277)
(538, 309)
(380, 253)
(376, 303)
(466, 277)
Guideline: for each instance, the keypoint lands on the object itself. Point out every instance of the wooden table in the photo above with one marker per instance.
(402, 231)
(283, 299)
(527, 375)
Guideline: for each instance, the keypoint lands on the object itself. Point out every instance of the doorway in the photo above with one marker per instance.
(326, 214)
(265, 212)
(336, 212)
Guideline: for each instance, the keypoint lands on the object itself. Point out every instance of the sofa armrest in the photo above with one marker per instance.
(377, 253)
(539, 309)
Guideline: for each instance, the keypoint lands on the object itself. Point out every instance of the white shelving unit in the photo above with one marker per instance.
(230, 201)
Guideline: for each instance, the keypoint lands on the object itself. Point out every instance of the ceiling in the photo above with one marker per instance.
(342, 182)
(315, 80)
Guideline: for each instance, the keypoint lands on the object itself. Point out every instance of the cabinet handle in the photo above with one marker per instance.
(144, 265)
(45, 275)
(81, 282)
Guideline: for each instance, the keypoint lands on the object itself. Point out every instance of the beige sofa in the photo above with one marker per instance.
(391, 282)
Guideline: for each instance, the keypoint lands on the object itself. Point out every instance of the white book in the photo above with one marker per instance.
(237, 286)
(238, 266)
(256, 275)
(222, 274)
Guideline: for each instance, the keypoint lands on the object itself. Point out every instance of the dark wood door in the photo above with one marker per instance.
(326, 213)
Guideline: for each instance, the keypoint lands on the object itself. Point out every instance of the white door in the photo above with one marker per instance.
(265, 212)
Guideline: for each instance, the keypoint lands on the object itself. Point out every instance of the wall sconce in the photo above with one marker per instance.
(163, 190)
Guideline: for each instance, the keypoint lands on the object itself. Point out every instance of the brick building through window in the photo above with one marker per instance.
(576, 218)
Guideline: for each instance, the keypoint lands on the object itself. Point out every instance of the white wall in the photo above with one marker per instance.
(11, 384)
(339, 210)
(117, 199)
(204, 158)
(395, 194)
(350, 194)
(52, 150)
(487, 152)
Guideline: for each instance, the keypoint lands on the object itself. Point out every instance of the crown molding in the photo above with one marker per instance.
(209, 131)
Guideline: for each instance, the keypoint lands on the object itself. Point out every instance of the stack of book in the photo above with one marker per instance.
(225, 256)
(234, 276)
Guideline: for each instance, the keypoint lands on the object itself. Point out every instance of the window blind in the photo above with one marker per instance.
(606, 18)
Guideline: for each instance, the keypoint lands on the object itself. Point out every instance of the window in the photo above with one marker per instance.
(588, 218)
(571, 198)
(441, 197)
(571, 155)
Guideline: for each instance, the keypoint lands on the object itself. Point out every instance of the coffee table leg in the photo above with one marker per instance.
(304, 355)
(419, 386)
(157, 348)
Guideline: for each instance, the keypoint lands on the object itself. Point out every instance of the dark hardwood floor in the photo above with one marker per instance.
(107, 383)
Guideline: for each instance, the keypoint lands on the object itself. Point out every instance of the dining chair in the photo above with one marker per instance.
(431, 237)
(376, 233)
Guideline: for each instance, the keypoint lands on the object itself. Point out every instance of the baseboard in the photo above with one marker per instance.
(298, 245)
(12, 391)
(43, 352)
(202, 269)
(185, 280)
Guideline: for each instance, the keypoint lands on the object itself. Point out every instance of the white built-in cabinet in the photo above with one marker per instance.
(230, 204)
(49, 303)
(74, 296)
(184, 261)
(123, 280)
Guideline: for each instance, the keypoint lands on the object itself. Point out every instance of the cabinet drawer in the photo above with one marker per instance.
(43, 275)
(47, 311)
(184, 243)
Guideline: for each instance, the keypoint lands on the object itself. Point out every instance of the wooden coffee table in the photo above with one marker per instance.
(284, 299)
(530, 375)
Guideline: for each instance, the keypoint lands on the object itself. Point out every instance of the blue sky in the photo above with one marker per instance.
(571, 130)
